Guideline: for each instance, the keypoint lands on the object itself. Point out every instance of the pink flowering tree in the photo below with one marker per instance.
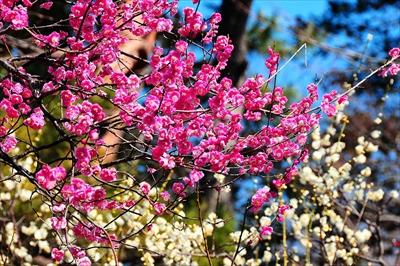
(84, 207)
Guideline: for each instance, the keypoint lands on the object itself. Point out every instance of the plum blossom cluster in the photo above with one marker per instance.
(84, 197)
(14, 13)
(8, 144)
(394, 68)
(186, 121)
(48, 177)
(272, 62)
(76, 252)
(82, 117)
(262, 196)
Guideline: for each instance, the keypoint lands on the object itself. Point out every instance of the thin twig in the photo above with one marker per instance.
(201, 226)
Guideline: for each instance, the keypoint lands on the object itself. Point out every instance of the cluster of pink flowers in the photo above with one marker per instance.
(48, 177)
(77, 253)
(58, 223)
(272, 62)
(94, 234)
(16, 15)
(194, 23)
(262, 196)
(16, 103)
(82, 117)
(179, 128)
(266, 231)
(84, 197)
(213, 29)
(179, 189)
(8, 143)
(51, 40)
(282, 211)
(326, 106)
(394, 68)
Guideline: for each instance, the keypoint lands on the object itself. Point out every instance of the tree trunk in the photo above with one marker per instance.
(234, 14)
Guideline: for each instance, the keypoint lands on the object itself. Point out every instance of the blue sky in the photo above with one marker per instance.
(287, 11)
(303, 8)
(296, 74)
(292, 7)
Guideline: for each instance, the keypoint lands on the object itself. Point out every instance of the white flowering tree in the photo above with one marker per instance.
(337, 217)
(70, 196)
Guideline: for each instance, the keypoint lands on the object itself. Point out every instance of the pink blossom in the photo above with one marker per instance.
(27, 3)
(77, 252)
(57, 254)
(18, 17)
(189, 182)
(329, 109)
(167, 161)
(215, 18)
(151, 170)
(283, 209)
(165, 195)
(383, 73)
(48, 177)
(262, 195)
(159, 208)
(272, 62)
(58, 207)
(16, 98)
(109, 174)
(23, 108)
(278, 183)
(130, 203)
(3, 131)
(35, 121)
(145, 188)
(342, 99)
(5, 104)
(394, 69)
(181, 46)
(312, 88)
(178, 189)
(53, 39)
(58, 223)
(26, 94)
(394, 52)
(12, 112)
(85, 261)
(58, 173)
(82, 195)
(196, 175)
(67, 98)
(278, 154)
(266, 230)
(83, 153)
(8, 144)
(46, 5)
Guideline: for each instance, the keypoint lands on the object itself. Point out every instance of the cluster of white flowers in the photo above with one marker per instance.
(331, 193)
